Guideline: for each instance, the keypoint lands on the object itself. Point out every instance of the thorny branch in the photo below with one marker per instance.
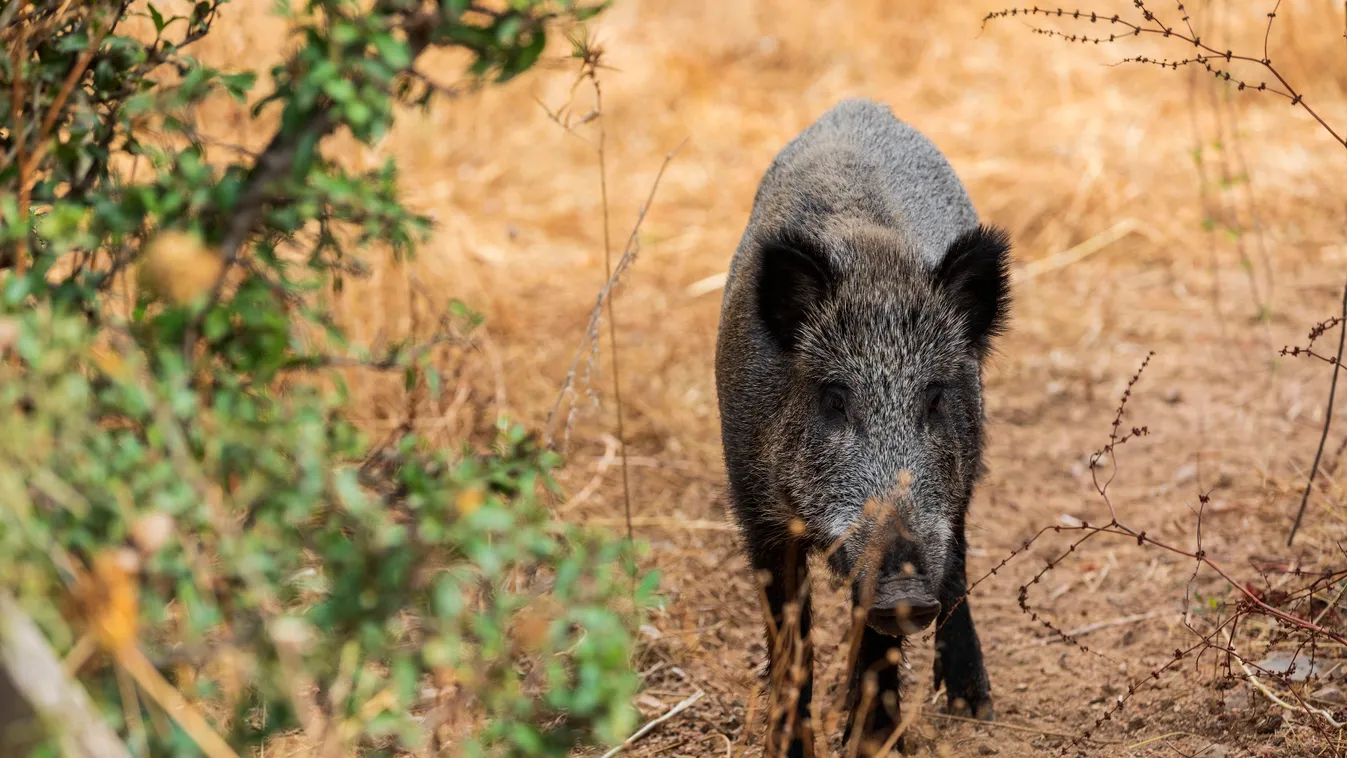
(1307, 629)
(1207, 56)
(1328, 412)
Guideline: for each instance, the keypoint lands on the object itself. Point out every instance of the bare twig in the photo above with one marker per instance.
(33, 686)
(675, 524)
(648, 728)
(1272, 696)
(1076, 253)
(16, 107)
(592, 57)
(1020, 728)
(177, 707)
(1328, 420)
(624, 262)
(1206, 58)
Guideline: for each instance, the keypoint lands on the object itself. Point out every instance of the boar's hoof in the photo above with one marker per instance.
(904, 617)
(959, 707)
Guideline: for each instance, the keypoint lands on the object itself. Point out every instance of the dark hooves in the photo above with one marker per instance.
(983, 712)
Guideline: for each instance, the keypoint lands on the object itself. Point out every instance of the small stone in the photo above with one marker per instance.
(1297, 667)
(987, 750)
(1237, 699)
(1330, 694)
(1213, 751)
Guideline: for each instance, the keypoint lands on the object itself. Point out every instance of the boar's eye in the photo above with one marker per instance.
(835, 398)
(934, 394)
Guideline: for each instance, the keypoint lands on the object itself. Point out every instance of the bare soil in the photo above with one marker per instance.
(1117, 167)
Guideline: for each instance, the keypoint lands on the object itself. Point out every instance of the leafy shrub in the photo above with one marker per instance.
(171, 519)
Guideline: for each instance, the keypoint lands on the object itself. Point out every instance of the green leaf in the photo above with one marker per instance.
(508, 29)
(395, 52)
(216, 324)
(340, 90)
(158, 18)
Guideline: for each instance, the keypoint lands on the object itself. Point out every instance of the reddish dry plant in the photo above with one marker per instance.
(1291, 614)
(1336, 362)
(1207, 57)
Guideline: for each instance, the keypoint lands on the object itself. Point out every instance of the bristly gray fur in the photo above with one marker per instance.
(884, 204)
(859, 307)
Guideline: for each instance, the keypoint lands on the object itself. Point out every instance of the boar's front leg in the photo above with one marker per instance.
(958, 654)
(873, 698)
(790, 654)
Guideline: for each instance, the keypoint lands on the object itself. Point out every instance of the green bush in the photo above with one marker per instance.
(161, 497)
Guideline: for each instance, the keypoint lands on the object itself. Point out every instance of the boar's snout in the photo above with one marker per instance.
(903, 606)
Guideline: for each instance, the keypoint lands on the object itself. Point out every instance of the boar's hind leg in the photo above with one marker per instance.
(958, 654)
(873, 718)
(790, 657)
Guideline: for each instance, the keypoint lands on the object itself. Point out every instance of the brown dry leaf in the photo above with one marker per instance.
(108, 362)
(178, 267)
(531, 623)
(108, 598)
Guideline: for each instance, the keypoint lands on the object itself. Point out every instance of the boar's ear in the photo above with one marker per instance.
(794, 278)
(976, 274)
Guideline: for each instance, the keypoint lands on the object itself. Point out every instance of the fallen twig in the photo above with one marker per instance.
(648, 728)
(1159, 737)
(177, 707)
(1020, 728)
(691, 525)
(35, 688)
(1076, 253)
(1272, 696)
(592, 486)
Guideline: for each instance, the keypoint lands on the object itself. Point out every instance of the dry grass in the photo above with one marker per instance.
(1053, 144)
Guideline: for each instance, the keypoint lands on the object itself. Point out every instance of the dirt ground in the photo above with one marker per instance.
(1133, 195)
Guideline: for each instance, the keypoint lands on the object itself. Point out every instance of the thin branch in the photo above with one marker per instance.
(54, 110)
(624, 262)
(1136, 30)
(648, 728)
(277, 160)
(591, 72)
(44, 694)
(1328, 420)
(1019, 728)
(16, 105)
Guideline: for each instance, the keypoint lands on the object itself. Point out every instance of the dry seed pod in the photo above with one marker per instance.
(178, 267)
